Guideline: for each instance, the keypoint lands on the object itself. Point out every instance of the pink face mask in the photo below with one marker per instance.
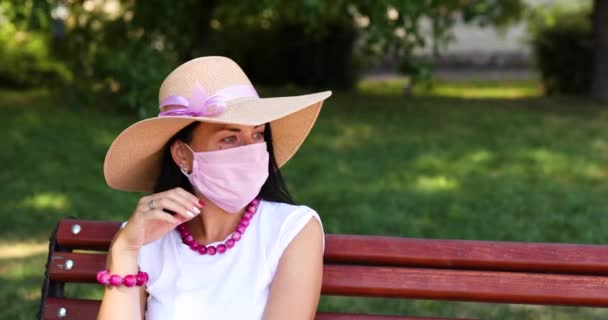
(230, 178)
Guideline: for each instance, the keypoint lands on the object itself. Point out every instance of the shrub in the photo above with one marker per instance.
(113, 69)
(25, 60)
(563, 50)
(132, 76)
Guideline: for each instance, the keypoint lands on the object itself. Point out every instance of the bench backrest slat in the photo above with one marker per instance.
(375, 250)
(468, 254)
(420, 283)
(91, 234)
(466, 285)
(350, 316)
(74, 309)
(83, 267)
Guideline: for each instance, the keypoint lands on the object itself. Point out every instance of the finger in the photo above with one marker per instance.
(158, 214)
(144, 201)
(148, 203)
(185, 201)
(178, 206)
(180, 195)
(144, 205)
(187, 195)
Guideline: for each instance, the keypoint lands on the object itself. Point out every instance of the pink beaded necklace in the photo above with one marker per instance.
(202, 249)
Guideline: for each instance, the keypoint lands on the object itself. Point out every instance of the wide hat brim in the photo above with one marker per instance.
(134, 158)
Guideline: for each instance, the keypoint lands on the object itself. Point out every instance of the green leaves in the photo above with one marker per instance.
(122, 49)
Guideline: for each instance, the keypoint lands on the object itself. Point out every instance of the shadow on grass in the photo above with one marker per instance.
(21, 280)
(55, 157)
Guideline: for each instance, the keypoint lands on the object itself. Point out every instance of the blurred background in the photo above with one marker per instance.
(457, 119)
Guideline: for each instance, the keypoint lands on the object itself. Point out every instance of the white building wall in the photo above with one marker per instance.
(490, 39)
(487, 48)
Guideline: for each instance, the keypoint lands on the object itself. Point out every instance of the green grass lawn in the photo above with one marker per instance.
(469, 89)
(491, 167)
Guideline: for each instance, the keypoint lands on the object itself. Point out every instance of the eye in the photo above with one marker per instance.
(230, 139)
(258, 135)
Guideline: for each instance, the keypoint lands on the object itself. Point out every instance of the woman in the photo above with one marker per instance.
(219, 237)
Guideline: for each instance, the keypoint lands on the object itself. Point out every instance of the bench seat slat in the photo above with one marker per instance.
(79, 309)
(431, 253)
(466, 285)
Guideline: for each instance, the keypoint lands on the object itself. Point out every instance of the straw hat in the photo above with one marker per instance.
(208, 89)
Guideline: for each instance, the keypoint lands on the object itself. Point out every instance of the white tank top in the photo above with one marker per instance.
(233, 285)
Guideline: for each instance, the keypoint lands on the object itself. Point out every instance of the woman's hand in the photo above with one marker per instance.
(149, 222)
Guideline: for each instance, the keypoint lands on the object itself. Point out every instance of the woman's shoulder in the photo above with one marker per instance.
(281, 223)
(285, 208)
(279, 214)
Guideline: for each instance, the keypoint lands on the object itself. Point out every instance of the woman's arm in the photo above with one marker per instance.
(296, 287)
(122, 302)
(148, 223)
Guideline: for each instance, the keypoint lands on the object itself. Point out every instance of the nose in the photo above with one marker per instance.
(247, 138)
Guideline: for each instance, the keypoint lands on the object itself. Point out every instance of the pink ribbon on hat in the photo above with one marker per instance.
(201, 104)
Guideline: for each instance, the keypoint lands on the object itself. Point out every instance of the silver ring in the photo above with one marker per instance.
(151, 204)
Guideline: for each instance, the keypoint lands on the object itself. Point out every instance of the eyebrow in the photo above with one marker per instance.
(239, 130)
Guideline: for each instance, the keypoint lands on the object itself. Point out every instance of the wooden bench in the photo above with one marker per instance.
(370, 266)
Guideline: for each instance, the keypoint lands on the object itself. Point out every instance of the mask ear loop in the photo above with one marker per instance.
(181, 168)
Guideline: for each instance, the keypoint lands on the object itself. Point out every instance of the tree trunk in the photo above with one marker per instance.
(202, 27)
(599, 86)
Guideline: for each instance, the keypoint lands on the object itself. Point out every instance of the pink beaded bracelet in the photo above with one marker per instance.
(104, 277)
